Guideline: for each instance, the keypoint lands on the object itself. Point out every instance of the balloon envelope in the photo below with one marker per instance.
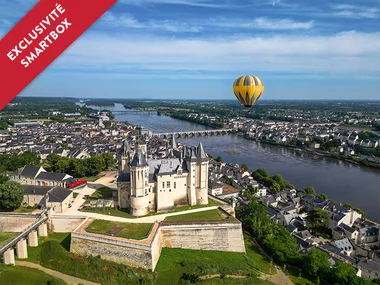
(248, 89)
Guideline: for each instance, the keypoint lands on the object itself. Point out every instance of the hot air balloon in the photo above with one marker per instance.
(248, 89)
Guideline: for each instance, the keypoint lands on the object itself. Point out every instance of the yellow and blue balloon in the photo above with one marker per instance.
(248, 89)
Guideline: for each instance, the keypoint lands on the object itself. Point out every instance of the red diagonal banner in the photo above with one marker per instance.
(40, 37)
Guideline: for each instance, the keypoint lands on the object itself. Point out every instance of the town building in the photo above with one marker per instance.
(35, 175)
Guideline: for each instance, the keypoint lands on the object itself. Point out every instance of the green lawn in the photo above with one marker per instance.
(75, 195)
(124, 213)
(129, 230)
(20, 275)
(232, 281)
(210, 215)
(103, 193)
(91, 268)
(5, 237)
(300, 280)
(175, 262)
(23, 210)
(34, 253)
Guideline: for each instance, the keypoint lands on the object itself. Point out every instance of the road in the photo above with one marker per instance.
(67, 278)
(89, 189)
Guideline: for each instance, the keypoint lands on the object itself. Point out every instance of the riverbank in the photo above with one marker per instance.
(318, 153)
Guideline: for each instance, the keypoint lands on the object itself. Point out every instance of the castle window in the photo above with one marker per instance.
(175, 185)
(168, 184)
(163, 184)
(170, 190)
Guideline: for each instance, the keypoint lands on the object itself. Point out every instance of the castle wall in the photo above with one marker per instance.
(168, 196)
(128, 253)
(15, 223)
(218, 236)
(203, 236)
(65, 224)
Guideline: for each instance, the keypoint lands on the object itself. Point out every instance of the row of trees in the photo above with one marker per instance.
(283, 249)
(205, 122)
(11, 162)
(80, 167)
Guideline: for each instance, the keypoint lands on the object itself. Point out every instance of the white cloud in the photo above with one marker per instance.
(198, 3)
(197, 26)
(284, 24)
(356, 12)
(128, 21)
(346, 53)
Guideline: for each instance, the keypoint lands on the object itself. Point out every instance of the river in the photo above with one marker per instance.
(341, 181)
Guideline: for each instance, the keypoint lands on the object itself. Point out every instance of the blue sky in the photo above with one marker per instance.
(301, 49)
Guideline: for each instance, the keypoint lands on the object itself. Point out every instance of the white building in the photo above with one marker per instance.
(162, 184)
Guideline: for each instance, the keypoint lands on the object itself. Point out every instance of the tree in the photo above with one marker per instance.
(263, 172)
(78, 168)
(275, 187)
(360, 211)
(316, 262)
(3, 179)
(323, 197)
(108, 159)
(11, 195)
(218, 159)
(245, 167)
(95, 164)
(310, 190)
(348, 206)
(318, 220)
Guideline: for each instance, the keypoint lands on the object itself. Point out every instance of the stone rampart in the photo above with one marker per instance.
(203, 236)
(65, 224)
(15, 222)
(211, 235)
(127, 253)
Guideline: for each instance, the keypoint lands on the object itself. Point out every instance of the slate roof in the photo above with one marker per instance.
(347, 228)
(36, 190)
(369, 265)
(139, 159)
(52, 176)
(29, 171)
(58, 194)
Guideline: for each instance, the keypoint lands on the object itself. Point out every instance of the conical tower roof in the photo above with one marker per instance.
(201, 154)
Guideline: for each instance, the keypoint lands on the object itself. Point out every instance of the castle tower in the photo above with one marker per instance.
(125, 157)
(191, 162)
(201, 181)
(139, 185)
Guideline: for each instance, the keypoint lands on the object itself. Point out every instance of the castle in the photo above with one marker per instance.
(181, 178)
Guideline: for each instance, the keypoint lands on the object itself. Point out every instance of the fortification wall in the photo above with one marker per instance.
(127, 253)
(15, 223)
(156, 247)
(202, 236)
(65, 224)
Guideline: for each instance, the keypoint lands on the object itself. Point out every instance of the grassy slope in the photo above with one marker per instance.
(172, 264)
(210, 215)
(130, 230)
(5, 237)
(20, 275)
(35, 252)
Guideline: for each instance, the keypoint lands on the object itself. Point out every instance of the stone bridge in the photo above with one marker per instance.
(28, 236)
(199, 133)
